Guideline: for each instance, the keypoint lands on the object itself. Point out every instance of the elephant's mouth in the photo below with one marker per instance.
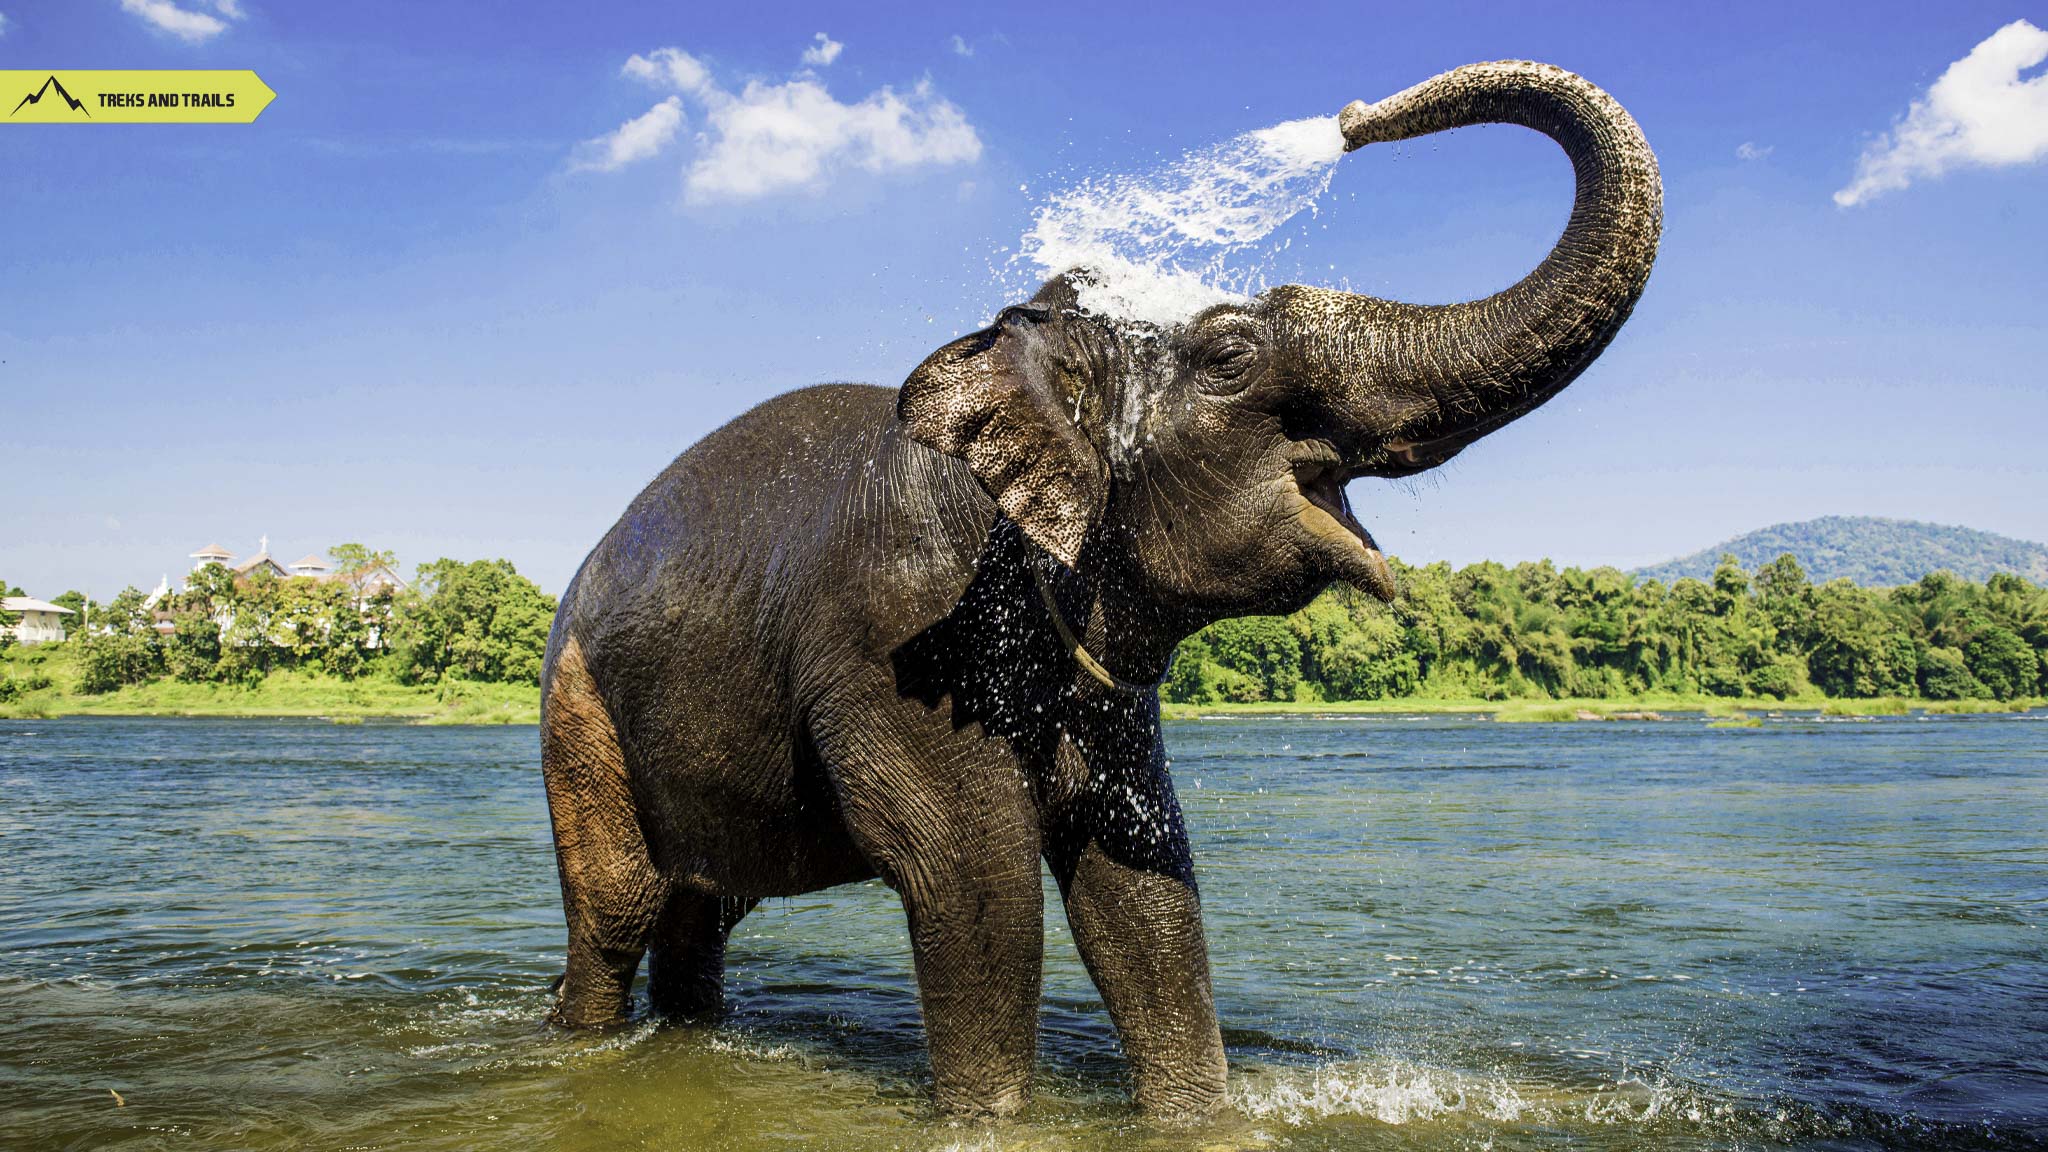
(1319, 477)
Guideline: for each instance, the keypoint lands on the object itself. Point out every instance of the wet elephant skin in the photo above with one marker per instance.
(913, 633)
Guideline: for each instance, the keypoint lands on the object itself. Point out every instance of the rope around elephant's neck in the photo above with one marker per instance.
(1075, 648)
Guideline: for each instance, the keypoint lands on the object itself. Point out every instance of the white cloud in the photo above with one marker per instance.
(635, 140)
(1749, 150)
(672, 68)
(961, 47)
(184, 23)
(777, 137)
(3, 23)
(1979, 114)
(824, 52)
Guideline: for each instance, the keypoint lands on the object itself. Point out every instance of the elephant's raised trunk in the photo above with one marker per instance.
(1443, 376)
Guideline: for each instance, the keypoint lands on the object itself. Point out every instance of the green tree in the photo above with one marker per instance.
(475, 621)
(2021, 606)
(1354, 648)
(192, 653)
(1944, 675)
(1370, 662)
(1782, 677)
(1786, 598)
(1606, 648)
(1731, 586)
(210, 588)
(320, 624)
(1432, 628)
(355, 564)
(1184, 683)
(347, 634)
(1263, 649)
(2002, 662)
(76, 601)
(250, 644)
(108, 662)
(125, 615)
(8, 619)
(1859, 650)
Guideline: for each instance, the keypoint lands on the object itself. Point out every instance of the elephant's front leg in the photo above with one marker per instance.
(1139, 930)
(948, 821)
(978, 935)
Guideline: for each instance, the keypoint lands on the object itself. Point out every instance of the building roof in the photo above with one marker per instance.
(257, 561)
(212, 550)
(310, 560)
(31, 604)
(382, 574)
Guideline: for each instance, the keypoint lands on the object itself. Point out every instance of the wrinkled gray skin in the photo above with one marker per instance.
(812, 651)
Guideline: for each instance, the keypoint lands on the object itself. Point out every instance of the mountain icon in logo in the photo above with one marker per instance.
(36, 97)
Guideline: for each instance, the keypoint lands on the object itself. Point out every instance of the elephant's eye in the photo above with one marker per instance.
(1229, 365)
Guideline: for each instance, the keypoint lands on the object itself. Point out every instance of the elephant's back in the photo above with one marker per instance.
(712, 536)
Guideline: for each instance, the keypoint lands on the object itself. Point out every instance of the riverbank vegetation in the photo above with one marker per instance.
(1531, 642)
(1488, 635)
(463, 644)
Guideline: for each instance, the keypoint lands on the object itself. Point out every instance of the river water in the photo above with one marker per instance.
(1427, 932)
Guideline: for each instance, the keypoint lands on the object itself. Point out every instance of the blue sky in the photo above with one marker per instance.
(410, 306)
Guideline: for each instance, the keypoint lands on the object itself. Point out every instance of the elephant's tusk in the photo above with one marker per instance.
(1075, 648)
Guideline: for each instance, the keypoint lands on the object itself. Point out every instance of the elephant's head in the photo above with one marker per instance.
(1207, 461)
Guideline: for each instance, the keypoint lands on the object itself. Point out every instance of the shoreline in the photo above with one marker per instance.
(1734, 711)
(498, 704)
(281, 695)
(467, 715)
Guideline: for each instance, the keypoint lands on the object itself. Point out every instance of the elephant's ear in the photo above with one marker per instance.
(1002, 400)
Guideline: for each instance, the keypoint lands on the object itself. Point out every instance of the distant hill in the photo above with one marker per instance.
(1870, 550)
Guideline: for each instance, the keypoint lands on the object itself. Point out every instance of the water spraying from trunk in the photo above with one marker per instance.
(1162, 245)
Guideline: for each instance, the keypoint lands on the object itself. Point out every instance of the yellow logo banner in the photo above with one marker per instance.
(88, 96)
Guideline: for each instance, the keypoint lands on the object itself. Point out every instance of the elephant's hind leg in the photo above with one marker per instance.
(686, 969)
(611, 891)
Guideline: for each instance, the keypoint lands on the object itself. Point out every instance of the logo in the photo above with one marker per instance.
(36, 97)
(106, 96)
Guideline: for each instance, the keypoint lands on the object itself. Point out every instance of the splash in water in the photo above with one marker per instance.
(1161, 246)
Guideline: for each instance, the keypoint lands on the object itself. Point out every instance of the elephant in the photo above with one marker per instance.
(917, 633)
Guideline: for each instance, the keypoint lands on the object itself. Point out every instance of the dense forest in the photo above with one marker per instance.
(1532, 631)
(479, 621)
(1869, 550)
